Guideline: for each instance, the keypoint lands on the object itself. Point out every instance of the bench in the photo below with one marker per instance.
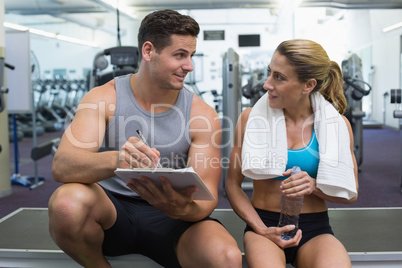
(372, 237)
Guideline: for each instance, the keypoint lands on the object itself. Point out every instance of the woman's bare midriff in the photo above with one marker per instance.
(267, 196)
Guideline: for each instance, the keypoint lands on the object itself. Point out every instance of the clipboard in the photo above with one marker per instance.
(178, 178)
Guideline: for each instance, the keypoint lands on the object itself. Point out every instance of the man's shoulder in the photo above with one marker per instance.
(203, 116)
(199, 106)
(106, 91)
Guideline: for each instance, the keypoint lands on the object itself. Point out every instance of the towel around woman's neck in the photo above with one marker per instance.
(264, 151)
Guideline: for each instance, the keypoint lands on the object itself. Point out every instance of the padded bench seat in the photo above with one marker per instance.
(372, 236)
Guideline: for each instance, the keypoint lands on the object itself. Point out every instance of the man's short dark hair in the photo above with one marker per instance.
(158, 27)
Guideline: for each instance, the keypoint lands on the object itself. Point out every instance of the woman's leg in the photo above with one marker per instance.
(262, 252)
(323, 251)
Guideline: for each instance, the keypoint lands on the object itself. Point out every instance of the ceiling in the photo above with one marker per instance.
(54, 7)
(96, 14)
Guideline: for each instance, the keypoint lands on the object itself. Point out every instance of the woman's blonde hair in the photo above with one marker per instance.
(310, 61)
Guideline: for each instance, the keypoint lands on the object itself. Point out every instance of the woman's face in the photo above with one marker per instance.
(283, 86)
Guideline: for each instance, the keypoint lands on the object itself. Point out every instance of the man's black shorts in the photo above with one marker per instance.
(141, 228)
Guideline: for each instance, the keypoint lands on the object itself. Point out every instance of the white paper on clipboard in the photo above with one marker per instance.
(178, 178)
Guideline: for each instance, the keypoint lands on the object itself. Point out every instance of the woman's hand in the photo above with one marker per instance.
(275, 235)
(298, 184)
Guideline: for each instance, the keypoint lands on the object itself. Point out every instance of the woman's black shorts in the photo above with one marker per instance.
(311, 224)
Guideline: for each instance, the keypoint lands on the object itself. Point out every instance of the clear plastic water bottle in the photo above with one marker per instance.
(290, 211)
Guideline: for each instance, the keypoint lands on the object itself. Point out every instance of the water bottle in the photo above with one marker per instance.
(290, 211)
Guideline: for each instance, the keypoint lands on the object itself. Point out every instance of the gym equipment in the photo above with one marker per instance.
(231, 104)
(232, 93)
(78, 88)
(47, 117)
(217, 100)
(27, 181)
(254, 90)
(123, 58)
(396, 98)
(22, 98)
(355, 90)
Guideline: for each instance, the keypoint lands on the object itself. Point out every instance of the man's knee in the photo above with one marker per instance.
(68, 207)
(69, 197)
(232, 257)
(209, 244)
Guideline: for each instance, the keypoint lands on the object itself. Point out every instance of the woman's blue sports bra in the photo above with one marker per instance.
(306, 158)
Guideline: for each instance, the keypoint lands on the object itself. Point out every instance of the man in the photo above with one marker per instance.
(94, 214)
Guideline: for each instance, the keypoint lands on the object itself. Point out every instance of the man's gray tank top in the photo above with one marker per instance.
(168, 132)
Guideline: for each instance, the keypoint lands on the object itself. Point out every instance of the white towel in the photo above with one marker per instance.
(264, 151)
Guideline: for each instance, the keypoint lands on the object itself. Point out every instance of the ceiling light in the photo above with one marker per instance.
(15, 26)
(75, 40)
(49, 34)
(392, 27)
(43, 33)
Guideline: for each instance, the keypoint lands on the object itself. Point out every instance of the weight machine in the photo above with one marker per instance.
(124, 60)
(355, 90)
(232, 93)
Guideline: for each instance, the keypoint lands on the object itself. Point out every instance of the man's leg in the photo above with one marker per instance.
(78, 216)
(208, 244)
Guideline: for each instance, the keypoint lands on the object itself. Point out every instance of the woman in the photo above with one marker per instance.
(290, 126)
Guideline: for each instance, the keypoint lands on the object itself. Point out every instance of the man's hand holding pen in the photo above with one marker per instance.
(142, 138)
(137, 154)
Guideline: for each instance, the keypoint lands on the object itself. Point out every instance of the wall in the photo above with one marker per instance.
(365, 30)
(56, 54)
(386, 60)
(386, 76)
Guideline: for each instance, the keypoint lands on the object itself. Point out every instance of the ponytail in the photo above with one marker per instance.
(332, 88)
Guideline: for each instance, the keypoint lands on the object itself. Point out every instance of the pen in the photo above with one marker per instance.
(142, 138)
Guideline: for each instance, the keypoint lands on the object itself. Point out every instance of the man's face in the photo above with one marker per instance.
(170, 67)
